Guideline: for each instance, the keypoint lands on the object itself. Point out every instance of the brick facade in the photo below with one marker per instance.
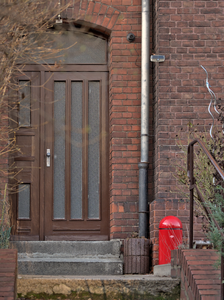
(8, 274)
(188, 33)
(200, 279)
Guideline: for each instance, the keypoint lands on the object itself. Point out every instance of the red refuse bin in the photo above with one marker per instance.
(170, 237)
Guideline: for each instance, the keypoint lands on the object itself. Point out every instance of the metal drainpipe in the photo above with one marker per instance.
(143, 165)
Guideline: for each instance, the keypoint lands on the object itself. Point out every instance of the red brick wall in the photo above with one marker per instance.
(125, 101)
(125, 87)
(8, 274)
(200, 279)
(189, 34)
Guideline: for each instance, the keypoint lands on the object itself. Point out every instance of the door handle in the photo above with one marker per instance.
(48, 157)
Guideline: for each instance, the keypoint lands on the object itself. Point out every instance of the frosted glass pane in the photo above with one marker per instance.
(59, 150)
(24, 201)
(77, 48)
(24, 103)
(76, 151)
(93, 151)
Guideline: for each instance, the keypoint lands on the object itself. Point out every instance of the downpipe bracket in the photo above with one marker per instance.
(143, 165)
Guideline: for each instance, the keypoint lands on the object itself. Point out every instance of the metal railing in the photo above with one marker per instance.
(190, 173)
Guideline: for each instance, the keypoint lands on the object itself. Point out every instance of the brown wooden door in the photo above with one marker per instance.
(76, 175)
(67, 182)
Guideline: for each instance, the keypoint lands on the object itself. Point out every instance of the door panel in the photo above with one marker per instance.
(76, 197)
(25, 203)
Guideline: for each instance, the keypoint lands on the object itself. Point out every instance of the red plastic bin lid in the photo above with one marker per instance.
(170, 222)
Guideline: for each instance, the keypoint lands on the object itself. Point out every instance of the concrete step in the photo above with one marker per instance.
(71, 248)
(69, 257)
(162, 270)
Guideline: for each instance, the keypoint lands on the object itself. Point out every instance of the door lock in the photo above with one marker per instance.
(48, 157)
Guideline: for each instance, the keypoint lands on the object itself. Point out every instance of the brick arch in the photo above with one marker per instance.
(101, 16)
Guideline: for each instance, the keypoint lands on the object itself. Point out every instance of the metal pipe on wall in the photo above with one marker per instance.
(143, 165)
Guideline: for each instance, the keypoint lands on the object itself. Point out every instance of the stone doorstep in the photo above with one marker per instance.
(69, 257)
(95, 284)
(70, 266)
(68, 248)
